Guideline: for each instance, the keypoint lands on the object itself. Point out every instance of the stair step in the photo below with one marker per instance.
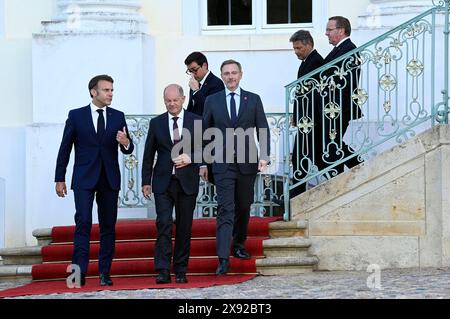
(287, 247)
(43, 236)
(8, 272)
(288, 229)
(21, 256)
(286, 265)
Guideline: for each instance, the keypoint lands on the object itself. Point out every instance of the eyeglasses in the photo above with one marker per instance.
(329, 30)
(192, 71)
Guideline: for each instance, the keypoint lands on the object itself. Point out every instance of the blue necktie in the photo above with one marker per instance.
(100, 124)
(233, 115)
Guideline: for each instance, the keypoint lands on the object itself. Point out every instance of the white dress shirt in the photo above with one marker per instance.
(95, 114)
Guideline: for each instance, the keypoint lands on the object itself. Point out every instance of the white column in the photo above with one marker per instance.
(84, 39)
(390, 13)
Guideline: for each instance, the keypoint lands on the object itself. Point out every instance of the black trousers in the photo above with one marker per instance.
(336, 154)
(235, 195)
(184, 212)
(106, 199)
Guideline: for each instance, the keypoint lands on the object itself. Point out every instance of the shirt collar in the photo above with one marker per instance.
(340, 42)
(204, 78)
(180, 116)
(309, 54)
(94, 108)
(237, 91)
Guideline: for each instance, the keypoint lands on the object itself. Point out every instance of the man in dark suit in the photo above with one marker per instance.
(174, 181)
(307, 111)
(202, 83)
(338, 32)
(96, 131)
(234, 115)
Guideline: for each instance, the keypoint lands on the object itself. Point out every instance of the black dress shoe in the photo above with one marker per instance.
(83, 280)
(163, 277)
(180, 278)
(241, 253)
(105, 280)
(222, 269)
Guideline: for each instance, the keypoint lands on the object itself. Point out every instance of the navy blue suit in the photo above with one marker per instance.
(179, 189)
(96, 173)
(211, 85)
(235, 181)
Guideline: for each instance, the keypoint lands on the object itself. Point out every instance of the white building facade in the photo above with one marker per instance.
(49, 49)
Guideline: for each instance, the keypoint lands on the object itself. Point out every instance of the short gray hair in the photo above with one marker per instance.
(180, 89)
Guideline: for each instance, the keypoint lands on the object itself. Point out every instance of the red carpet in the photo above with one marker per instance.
(133, 266)
(123, 283)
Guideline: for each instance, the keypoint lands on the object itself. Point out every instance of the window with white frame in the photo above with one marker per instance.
(256, 14)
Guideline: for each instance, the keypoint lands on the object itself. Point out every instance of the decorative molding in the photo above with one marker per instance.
(96, 16)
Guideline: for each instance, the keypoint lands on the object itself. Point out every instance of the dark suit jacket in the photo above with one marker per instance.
(351, 79)
(251, 115)
(211, 85)
(91, 153)
(159, 141)
(312, 62)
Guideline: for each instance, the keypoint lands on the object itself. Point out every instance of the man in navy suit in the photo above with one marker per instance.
(306, 110)
(235, 114)
(96, 131)
(338, 31)
(202, 82)
(174, 180)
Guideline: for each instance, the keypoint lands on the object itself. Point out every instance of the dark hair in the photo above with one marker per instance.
(342, 22)
(94, 81)
(303, 36)
(231, 62)
(197, 57)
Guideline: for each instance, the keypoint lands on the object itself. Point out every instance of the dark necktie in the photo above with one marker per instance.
(233, 115)
(176, 133)
(100, 124)
(176, 137)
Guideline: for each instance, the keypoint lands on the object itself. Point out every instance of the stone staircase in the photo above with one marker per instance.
(16, 263)
(286, 252)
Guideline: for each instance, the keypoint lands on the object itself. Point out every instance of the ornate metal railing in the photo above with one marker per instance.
(268, 186)
(384, 91)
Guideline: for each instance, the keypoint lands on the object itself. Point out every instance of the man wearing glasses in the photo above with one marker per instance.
(202, 83)
(338, 32)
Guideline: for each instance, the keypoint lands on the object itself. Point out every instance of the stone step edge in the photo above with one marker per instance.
(7, 271)
(290, 225)
(287, 242)
(21, 251)
(287, 261)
